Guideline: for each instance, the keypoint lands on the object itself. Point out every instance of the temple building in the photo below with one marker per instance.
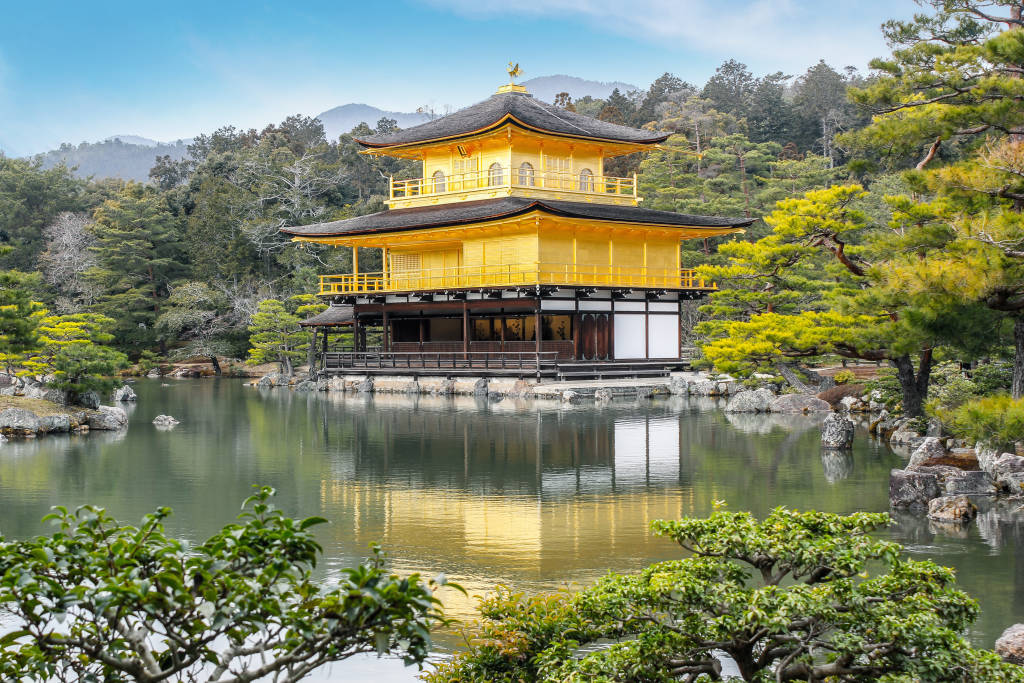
(512, 254)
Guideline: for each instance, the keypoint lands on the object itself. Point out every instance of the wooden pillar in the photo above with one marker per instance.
(356, 331)
(465, 329)
(501, 318)
(355, 263)
(647, 325)
(323, 350)
(536, 326)
(386, 337)
(423, 325)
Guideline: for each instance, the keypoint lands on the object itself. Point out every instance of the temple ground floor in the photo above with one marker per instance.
(542, 332)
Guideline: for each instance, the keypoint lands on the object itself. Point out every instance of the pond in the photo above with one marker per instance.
(533, 494)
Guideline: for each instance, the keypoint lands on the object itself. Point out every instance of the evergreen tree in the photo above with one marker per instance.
(138, 254)
(73, 350)
(19, 319)
(276, 336)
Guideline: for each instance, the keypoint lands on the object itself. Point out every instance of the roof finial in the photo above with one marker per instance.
(514, 72)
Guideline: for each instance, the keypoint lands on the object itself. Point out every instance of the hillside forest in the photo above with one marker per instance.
(888, 203)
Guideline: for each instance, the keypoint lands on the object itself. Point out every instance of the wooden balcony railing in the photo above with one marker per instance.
(471, 277)
(557, 181)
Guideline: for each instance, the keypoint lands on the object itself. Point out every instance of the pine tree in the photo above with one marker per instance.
(276, 337)
(138, 254)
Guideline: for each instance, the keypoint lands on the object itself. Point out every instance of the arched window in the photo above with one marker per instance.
(586, 180)
(439, 184)
(495, 174)
(526, 174)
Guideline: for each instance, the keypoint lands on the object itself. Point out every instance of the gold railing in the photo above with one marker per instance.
(558, 181)
(464, 277)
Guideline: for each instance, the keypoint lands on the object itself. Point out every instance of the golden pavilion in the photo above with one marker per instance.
(513, 253)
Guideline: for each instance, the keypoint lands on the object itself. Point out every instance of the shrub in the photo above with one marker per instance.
(798, 596)
(833, 395)
(102, 601)
(996, 420)
(844, 376)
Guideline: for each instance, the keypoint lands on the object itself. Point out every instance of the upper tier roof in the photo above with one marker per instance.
(462, 213)
(520, 109)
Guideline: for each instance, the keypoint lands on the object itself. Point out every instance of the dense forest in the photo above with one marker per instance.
(888, 209)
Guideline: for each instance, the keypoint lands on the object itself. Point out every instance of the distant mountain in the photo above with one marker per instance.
(114, 158)
(545, 88)
(131, 156)
(133, 140)
(343, 119)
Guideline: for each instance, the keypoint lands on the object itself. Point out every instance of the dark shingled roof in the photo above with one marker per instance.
(332, 315)
(532, 113)
(461, 213)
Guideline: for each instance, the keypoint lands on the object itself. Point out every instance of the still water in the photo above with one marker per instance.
(537, 495)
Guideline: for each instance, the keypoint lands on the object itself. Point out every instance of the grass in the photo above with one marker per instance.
(38, 406)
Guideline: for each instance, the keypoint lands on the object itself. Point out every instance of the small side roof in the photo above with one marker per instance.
(462, 213)
(332, 316)
(520, 109)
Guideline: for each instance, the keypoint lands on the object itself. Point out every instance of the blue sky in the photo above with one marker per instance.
(74, 71)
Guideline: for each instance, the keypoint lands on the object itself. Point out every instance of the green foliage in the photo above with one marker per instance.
(19, 319)
(996, 420)
(138, 254)
(73, 352)
(844, 376)
(100, 600)
(797, 596)
(276, 336)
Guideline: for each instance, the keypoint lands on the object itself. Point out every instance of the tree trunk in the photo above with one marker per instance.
(914, 386)
(288, 369)
(215, 364)
(1017, 388)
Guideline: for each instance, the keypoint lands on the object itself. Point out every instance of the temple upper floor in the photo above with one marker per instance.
(512, 145)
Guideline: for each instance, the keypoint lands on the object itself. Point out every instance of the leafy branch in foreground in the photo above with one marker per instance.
(99, 600)
(805, 596)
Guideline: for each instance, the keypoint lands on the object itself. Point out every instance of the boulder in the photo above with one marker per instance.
(849, 404)
(705, 388)
(976, 482)
(930, 452)
(125, 393)
(603, 395)
(874, 401)
(336, 384)
(1006, 469)
(365, 386)
(837, 432)
(19, 420)
(570, 397)
(305, 386)
(109, 418)
(321, 385)
(909, 489)
(798, 403)
(952, 509)
(1010, 645)
(55, 423)
(644, 392)
(90, 400)
(480, 387)
(165, 421)
(447, 388)
(1012, 484)
(678, 386)
(904, 434)
(934, 427)
(756, 401)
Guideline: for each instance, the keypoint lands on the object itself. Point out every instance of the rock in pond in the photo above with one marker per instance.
(1010, 645)
(756, 401)
(952, 509)
(109, 418)
(164, 421)
(18, 421)
(931, 452)
(908, 489)
(124, 394)
(90, 400)
(305, 385)
(798, 403)
(974, 482)
(837, 432)
(603, 395)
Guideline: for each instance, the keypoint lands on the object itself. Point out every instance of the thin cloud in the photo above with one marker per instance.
(780, 34)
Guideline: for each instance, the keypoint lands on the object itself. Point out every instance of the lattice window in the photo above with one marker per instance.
(526, 174)
(404, 263)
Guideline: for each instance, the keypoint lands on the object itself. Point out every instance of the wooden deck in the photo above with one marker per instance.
(544, 364)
